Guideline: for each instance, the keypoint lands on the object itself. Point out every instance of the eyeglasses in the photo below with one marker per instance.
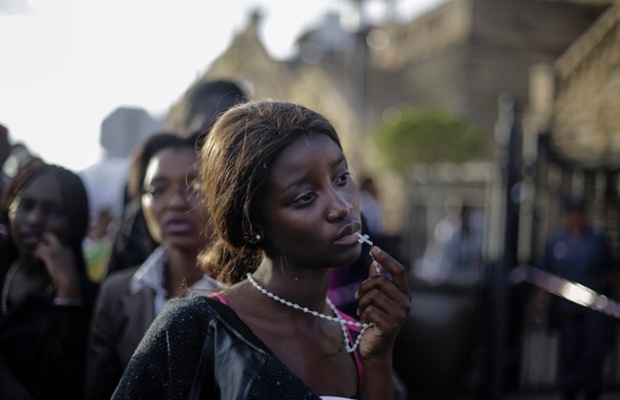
(162, 192)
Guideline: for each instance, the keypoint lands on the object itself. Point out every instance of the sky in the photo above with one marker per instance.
(67, 64)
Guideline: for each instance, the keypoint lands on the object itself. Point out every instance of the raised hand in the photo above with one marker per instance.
(385, 300)
(60, 266)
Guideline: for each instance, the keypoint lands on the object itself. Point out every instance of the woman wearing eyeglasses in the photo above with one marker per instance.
(164, 179)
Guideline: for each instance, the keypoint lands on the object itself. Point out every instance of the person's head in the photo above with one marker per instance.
(163, 178)
(276, 183)
(453, 205)
(210, 99)
(574, 208)
(368, 185)
(45, 198)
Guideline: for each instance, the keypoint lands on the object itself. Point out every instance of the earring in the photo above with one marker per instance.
(255, 238)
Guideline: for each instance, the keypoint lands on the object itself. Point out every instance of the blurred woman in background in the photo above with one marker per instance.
(46, 297)
(164, 179)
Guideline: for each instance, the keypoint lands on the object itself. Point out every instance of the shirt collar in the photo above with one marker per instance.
(151, 275)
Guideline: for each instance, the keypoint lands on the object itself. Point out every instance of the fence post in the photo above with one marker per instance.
(508, 138)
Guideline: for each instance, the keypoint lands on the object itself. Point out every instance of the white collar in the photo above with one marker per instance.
(151, 275)
(151, 272)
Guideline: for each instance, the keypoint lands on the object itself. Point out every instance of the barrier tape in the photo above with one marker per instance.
(572, 291)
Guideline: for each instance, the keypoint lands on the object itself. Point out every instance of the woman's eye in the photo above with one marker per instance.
(47, 209)
(26, 205)
(53, 210)
(343, 179)
(156, 191)
(305, 199)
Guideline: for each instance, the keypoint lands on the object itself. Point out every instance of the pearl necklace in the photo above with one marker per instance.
(337, 318)
(8, 280)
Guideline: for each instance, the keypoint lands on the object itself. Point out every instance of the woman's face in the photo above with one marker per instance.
(39, 209)
(312, 207)
(172, 207)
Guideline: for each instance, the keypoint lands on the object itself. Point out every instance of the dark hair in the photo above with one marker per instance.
(73, 196)
(147, 150)
(210, 99)
(236, 160)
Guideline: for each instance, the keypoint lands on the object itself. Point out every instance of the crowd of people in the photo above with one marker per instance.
(222, 256)
(246, 262)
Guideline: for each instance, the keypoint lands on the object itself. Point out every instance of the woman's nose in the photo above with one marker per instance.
(339, 206)
(35, 216)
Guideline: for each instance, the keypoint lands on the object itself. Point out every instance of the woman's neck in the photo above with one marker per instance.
(306, 287)
(182, 271)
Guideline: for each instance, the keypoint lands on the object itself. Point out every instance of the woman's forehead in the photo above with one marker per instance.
(310, 154)
(311, 146)
(45, 179)
(171, 160)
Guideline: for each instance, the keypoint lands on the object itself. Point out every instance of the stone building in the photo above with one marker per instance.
(466, 53)
(323, 76)
(587, 122)
(322, 80)
(460, 56)
(577, 126)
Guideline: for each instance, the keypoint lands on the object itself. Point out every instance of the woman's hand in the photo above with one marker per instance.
(385, 300)
(60, 266)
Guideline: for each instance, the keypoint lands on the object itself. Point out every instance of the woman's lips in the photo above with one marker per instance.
(348, 238)
(179, 226)
(30, 239)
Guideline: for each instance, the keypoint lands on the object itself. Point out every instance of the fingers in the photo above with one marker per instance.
(58, 258)
(47, 246)
(384, 298)
(50, 239)
(396, 270)
(383, 304)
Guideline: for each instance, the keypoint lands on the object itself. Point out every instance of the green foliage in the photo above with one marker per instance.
(428, 136)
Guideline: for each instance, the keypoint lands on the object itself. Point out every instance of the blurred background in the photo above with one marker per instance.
(471, 117)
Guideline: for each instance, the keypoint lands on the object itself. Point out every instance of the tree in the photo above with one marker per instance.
(429, 136)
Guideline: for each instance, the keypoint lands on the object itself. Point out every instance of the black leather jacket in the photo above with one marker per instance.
(198, 348)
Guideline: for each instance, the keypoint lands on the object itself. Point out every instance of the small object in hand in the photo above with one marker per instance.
(366, 239)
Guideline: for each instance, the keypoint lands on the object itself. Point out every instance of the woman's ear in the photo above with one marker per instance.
(256, 236)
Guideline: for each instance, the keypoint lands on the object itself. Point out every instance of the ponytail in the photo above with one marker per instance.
(229, 265)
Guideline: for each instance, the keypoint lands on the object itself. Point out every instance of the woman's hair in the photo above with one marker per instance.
(74, 199)
(236, 160)
(147, 150)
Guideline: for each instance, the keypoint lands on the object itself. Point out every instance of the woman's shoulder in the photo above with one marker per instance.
(121, 275)
(190, 304)
(181, 321)
(197, 316)
(189, 311)
(117, 283)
